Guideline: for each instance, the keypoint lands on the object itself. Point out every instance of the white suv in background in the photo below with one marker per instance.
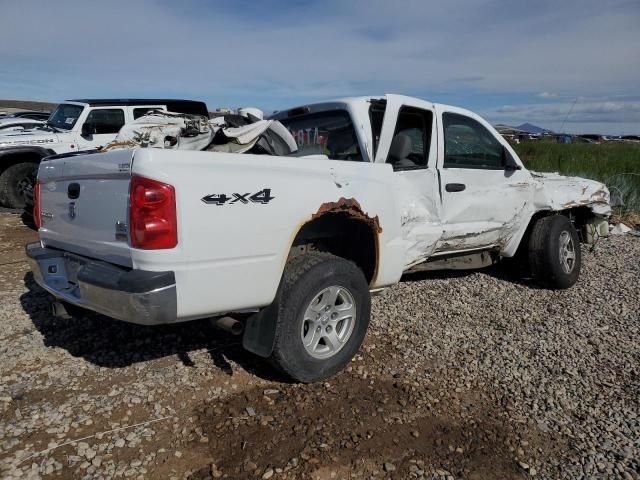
(75, 125)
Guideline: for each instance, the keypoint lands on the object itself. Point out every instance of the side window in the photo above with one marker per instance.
(468, 144)
(140, 111)
(409, 148)
(108, 120)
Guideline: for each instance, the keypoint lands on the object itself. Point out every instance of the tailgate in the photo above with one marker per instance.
(85, 203)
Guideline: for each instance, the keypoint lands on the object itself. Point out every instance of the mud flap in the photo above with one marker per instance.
(260, 332)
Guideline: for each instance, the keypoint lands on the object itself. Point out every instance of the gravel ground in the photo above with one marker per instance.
(474, 375)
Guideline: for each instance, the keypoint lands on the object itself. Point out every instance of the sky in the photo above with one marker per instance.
(572, 66)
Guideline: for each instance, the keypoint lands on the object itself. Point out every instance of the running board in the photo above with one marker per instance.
(467, 261)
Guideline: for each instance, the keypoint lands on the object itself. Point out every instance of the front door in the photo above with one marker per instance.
(482, 200)
(100, 127)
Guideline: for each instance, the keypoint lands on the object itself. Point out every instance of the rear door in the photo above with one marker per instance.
(481, 199)
(84, 204)
(101, 126)
(407, 141)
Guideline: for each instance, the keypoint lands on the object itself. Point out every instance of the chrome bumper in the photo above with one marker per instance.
(135, 296)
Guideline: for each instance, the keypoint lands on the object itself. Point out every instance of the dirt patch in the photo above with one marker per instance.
(464, 375)
(354, 424)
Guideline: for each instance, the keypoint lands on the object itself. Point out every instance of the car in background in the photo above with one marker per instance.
(10, 124)
(75, 125)
(42, 116)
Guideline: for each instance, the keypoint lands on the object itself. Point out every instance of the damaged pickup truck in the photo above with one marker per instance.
(294, 245)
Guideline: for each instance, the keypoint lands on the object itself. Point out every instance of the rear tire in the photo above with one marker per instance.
(323, 307)
(15, 181)
(554, 252)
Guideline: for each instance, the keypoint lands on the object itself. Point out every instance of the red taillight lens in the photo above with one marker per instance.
(152, 214)
(36, 205)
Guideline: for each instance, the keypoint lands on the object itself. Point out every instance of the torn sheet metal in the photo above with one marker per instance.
(229, 133)
(558, 192)
(262, 136)
(168, 130)
(620, 229)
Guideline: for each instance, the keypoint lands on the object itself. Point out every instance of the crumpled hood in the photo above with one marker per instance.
(28, 137)
(559, 192)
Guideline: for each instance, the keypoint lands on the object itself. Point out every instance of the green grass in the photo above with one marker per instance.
(616, 164)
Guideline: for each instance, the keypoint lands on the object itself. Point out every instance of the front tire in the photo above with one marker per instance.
(15, 182)
(554, 252)
(323, 306)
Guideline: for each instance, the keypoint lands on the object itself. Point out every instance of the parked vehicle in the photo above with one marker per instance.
(75, 125)
(30, 114)
(12, 124)
(379, 186)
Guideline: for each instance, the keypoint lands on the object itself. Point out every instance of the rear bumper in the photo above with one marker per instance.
(135, 296)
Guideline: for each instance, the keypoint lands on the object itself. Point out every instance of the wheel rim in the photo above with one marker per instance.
(328, 322)
(25, 185)
(567, 252)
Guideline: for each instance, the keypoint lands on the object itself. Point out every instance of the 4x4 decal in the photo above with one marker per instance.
(263, 196)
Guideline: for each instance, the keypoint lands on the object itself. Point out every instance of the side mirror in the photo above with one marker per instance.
(510, 163)
(87, 130)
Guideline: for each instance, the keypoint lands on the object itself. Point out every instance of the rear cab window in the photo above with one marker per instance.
(329, 133)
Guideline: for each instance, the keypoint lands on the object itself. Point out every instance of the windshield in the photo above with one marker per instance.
(329, 133)
(65, 116)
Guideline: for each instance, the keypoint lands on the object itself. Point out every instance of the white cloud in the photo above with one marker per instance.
(547, 95)
(605, 116)
(322, 49)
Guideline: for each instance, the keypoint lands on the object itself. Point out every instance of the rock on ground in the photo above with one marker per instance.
(472, 375)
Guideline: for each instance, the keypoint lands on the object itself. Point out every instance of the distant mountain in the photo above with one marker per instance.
(27, 105)
(527, 127)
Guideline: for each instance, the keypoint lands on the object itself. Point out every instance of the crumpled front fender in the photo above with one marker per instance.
(558, 192)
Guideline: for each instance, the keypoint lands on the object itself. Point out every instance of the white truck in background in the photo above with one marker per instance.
(75, 125)
(294, 244)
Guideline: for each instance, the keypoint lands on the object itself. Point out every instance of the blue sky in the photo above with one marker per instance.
(510, 61)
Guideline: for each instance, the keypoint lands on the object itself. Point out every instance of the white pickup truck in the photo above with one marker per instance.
(294, 245)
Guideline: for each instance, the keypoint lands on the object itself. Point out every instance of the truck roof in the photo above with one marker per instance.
(128, 101)
(177, 105)
(352, 101)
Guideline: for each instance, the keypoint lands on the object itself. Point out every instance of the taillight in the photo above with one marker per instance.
(152, 214)
(36, 205)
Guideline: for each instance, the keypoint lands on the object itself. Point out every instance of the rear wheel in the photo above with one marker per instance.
(16, 182)
(323, 309)
(554, 252)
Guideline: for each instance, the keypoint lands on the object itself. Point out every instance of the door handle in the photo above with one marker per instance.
(73, 191)
(455, 187)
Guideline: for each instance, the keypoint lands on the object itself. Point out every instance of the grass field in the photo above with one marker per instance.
(616, 164)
